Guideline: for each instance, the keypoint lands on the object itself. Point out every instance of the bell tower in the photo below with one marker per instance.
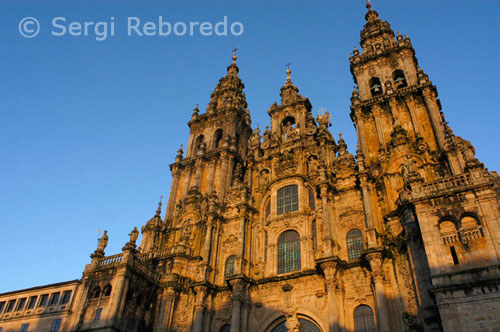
(217, 143)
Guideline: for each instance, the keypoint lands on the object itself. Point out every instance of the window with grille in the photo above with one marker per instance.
(363, 319)
(280, 328)
(354, 244)
(289, 252)
(24, 327)
(308, 326)
(288, 199)
(56, 323)
(229, 269)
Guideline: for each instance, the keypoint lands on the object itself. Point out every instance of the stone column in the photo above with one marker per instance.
(165, 311)
(377, 112)
(208, 240)
(238, 286)
(434, 114)
(242, 238)
(331, 271)
(199, 308)
(376, 261)
(367, 205)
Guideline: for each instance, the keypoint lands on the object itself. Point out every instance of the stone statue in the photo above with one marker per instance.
(134, 235)
(103, 242)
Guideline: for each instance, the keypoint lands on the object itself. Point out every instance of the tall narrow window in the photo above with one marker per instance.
(56, 323)
(32, 302)
(98, 313)
(363, 319)
(2, 305)
(314, 235)
(312, 200)
(198, 145)
(454, 255)
(288, 199)
(268, 209)
(289, 252)
(66, 297)
(229, 268)
(354, 244)
(96, 292)
(24, 327)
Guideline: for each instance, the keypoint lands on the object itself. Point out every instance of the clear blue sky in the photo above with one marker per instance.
(88, 128)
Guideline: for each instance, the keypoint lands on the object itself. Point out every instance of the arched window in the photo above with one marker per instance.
(229, 267)
(363, 319)
(225, 328)
(198, 144)
(107, 290)
(469, 222)
(375, 86)
(312, 200)
(354, 244)
(399, 79)
(308, 326)
(280, 328)
(288, 199)
(217, 138)
(95, 293)
(288, 252)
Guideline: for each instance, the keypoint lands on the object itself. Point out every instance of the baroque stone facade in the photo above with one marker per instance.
(286, 230)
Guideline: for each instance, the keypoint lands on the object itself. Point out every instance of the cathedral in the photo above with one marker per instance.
(283, 229)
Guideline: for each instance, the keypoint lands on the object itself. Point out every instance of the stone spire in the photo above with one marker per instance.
(228, 94)
(376, 34)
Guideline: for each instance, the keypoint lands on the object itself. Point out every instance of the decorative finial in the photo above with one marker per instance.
(368, 4)
(158, 211)
(288, 72)
(234, 55)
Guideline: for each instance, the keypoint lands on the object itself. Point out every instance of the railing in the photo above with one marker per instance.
(470, 234)
(110, 260)
(448, 183)
(449, 238)
(464, 235)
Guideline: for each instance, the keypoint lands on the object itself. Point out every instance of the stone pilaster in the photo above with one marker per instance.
(376, 260)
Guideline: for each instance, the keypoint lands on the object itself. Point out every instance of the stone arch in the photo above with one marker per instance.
(448, 224)
(198, 144)
(469, 220)
(375, 86)
(217, 139)
(399, 79)
(107, 290)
